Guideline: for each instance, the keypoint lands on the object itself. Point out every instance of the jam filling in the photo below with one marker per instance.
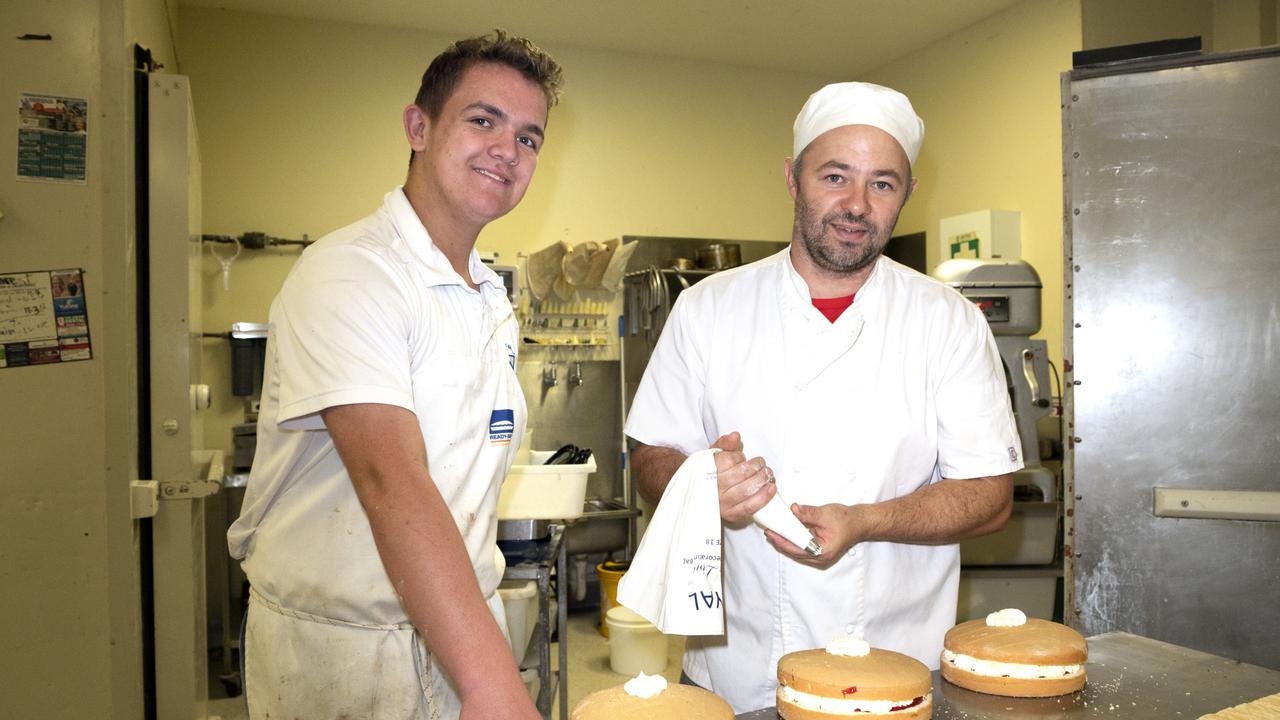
(849, 690)
(911, 704)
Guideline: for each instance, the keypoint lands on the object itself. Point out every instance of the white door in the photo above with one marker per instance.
(184, 474)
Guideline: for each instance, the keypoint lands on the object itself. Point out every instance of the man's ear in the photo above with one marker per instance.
(788, 166)
(416, 125)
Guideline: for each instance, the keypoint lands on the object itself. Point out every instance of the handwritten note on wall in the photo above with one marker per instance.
(43, 318)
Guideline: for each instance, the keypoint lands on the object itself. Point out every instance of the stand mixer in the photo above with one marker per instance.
(1008, 293)
(1018, 566)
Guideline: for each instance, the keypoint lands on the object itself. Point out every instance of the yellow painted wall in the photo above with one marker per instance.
(300, 133)
(1107, 23)
(989, 97)
(1222, 25)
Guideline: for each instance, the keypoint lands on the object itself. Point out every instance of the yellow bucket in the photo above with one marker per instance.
(610, 572)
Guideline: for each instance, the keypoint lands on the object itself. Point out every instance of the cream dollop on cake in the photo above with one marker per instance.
(849, 646)
(645, 686)
(1009, 617)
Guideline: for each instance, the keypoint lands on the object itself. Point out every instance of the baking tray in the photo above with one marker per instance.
(1130, 678)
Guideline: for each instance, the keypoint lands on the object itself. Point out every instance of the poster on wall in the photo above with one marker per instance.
(53, 133)
(43, 318)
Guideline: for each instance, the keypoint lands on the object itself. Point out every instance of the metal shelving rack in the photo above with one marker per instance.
(548, 554)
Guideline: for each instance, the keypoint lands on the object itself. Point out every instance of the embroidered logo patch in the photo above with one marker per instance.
(511, 356)
(1013, 455)
(501, 424)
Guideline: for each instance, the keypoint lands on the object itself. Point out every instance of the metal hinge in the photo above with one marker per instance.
(145, 495)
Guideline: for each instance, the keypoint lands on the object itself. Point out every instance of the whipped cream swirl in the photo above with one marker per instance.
(849, 645)
(645, 686)
(1009, 617)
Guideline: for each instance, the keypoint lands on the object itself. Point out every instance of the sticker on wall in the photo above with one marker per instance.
(43, 318)
(53, 133)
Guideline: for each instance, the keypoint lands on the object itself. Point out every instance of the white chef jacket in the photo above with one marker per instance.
(372, 313)
(905, 388)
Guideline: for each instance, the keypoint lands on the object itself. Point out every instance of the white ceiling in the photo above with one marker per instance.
(835, 38)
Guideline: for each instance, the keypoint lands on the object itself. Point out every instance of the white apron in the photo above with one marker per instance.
(366, 660)
(327, 636)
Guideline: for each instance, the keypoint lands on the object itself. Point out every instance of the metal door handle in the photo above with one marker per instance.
(1029, 371)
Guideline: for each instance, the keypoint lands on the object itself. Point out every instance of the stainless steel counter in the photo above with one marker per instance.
(1130, 678)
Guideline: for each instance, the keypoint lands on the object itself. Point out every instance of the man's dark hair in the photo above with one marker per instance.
(517, 53)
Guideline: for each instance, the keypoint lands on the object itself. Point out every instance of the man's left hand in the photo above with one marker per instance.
(834, 526)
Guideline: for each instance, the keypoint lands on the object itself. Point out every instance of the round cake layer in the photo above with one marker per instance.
(676, 701)
(878, 675)
(1038, 642)
(1012, 687)
(790, 711)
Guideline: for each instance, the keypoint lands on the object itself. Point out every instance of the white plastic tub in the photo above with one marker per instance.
(520, 601)
(544, 492)
(1029, 538)
(635, 645)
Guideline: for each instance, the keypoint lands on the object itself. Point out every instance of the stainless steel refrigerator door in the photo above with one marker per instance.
(1172, 208)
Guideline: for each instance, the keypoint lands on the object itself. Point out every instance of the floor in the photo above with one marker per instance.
(588, 667)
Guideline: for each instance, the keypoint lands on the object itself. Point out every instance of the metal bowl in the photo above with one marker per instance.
(719, 256)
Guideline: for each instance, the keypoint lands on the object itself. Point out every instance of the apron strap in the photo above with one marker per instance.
(421, 656)
(422, 664)
(299, 614)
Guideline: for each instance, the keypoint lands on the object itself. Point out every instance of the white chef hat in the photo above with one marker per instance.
(859, 103)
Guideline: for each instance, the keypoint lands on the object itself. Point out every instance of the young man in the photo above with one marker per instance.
(390, 414)
(875, 393)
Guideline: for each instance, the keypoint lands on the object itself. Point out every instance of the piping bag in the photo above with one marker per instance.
(776, 515)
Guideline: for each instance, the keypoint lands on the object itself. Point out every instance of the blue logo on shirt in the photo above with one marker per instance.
(502, 423)
(511, 356)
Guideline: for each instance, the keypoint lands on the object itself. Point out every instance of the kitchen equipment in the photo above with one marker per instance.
(1170, 326)
(681, 263)
(1130, 678)
(1008, 293)
(719, 256)
(635, 645)
(544, 492)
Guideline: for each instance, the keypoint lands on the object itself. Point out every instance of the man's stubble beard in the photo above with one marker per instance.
(830, 256)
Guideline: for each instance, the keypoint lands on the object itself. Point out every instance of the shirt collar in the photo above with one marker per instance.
(796, 296)
(436, 269)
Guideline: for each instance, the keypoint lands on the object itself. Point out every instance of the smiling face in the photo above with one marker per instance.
(475, 160)
(849, 188)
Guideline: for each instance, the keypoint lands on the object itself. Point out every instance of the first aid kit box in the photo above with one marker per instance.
(544, 492)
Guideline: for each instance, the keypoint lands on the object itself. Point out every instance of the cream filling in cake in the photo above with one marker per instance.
(1020, 671)
(842, 706)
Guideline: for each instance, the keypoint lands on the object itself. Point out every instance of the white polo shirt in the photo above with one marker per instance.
(372, 313)
(904, 389)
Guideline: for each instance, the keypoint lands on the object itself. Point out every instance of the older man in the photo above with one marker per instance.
(873, 392)
(390, 414)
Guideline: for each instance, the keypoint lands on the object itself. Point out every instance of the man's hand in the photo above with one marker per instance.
(937, 514)
(834, 526)
(745, 485)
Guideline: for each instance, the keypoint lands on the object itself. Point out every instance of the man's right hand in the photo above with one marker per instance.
(745, 485)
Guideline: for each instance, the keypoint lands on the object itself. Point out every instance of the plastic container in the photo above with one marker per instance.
(1029, 538)
(544, 492)
(635, 645)
(520, 601)
(985, 590)
(609, 572)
